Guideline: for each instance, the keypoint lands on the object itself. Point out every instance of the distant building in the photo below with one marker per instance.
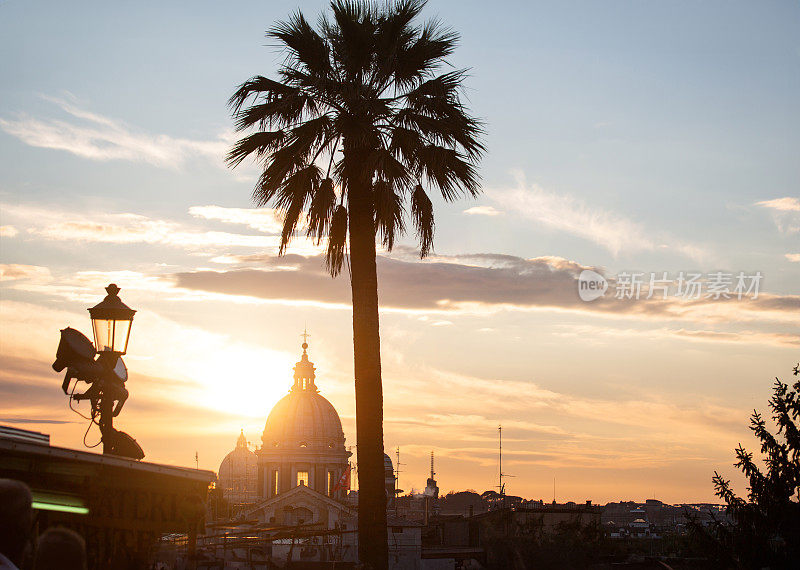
(238, 475)
(469, 538)
(653, 518)
(389, 480)
(303, 466)
(301, 509)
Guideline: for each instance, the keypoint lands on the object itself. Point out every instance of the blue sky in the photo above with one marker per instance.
(626, 136)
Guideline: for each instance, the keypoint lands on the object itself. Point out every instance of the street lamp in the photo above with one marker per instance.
(111, 323)
(106, 373)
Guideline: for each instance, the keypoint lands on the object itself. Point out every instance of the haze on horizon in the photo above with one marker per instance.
(622, 136)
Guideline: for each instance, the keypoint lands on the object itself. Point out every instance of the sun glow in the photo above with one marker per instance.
(244, 380)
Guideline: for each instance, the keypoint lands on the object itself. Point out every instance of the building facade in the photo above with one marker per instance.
(302, 509)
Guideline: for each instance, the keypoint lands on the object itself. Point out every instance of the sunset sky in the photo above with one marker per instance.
(623, 137)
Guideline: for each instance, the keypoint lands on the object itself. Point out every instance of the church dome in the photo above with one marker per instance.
(238, 473)
(303, 418)
(238, 459)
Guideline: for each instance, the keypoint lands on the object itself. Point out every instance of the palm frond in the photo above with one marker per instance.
(261, 143)
(435, 108)
(258, 86)
(394, 34)
(304, 45)
(280, 111)
(291, 199)
(337, 241)
(298, 187)
(449, 171)
(389, 212)
(404, 143)
(323, 203)
(387, 167)
(312, 133)
(354, 37)
(422, 214)
(282, 163)
(421, 58)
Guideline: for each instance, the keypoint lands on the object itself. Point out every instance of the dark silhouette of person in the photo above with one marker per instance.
(60, 549)
(16, 522)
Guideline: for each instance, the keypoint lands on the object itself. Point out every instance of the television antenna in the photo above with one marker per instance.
(501, 486)
(397, 479)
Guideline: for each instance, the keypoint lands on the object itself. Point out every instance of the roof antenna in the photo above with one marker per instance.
(501, 486)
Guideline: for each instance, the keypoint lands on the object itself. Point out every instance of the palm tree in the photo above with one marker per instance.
(359, 127)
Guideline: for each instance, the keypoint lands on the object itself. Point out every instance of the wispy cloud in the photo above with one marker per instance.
(132, 228)
(786, 204)
(482, 211)
(14, 271)
(128, 228)
(740, 336)
(785, 213)
(793, 257)
(8, 231)
(267, 220)
(605, 335)
(96, 137)
(566, 213)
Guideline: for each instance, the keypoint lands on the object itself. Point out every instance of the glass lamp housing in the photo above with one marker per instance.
(111, 323)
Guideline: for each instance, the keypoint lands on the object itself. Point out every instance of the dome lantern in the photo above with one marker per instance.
(242, 440)
(304, 371)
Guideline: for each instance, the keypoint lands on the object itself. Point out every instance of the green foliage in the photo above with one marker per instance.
(766, 525)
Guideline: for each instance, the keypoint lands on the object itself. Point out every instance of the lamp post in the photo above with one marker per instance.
(111, 325)
(100, 366)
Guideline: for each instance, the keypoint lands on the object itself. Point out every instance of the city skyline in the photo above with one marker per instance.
(663, 141)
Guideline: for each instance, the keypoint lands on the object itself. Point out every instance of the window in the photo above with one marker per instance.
(275, 482)
(331, 483)
(302, 478)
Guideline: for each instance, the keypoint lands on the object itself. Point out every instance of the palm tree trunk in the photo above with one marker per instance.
(372, 538)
